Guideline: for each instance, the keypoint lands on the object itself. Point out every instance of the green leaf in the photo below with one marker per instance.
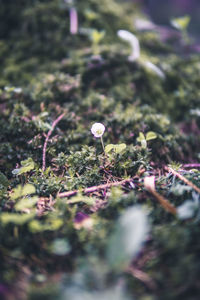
(51, 224)
(81, 198)
(142, 140)
(181, 23)
(24, 203)
(90, 15)
(54, 224)
(109, 147)
(28, 189)
(26, 166)
(3, 180)
(97, 36)
(141, 137)
(21, 191)
(119, 148)
(36, 226)
(151, 136)
(18, 219)
(17, 192)
(116, 148)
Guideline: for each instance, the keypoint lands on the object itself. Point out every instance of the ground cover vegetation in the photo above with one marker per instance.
(108, 214)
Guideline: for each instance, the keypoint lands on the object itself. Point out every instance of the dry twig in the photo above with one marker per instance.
(164, 202)
(149, 183)
(142, 276)
(95, 188)
(181, 177)
(195, 165)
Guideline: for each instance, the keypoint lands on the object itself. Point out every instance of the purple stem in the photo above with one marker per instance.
(73, 20)
(47, 139)
(192, 165)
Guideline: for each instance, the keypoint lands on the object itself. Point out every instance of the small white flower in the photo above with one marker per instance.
(98, 129)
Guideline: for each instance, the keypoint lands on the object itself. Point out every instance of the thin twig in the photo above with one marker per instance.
(142, 276)
(164, 202)
(195, 165)
(95, 188)
(149, 183)
(181, 177)
(47, 139)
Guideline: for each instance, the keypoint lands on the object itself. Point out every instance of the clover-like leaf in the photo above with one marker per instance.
(181, 23)
(109, 147)
(116, 148)
(141, 137)
(97, 36)
(21, 191)
(142, 140)
(25, 203)
(17, 193)
(119, 148)
(80, 198)
(28, 189)
(151, 136)
(18, 219)
(26, 166)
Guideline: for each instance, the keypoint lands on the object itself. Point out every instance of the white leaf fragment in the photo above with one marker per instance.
(133, 41)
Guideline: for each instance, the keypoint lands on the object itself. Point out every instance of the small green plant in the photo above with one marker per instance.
(115, 148)
(26, 166)
(96, 37)
(24, 205)
(181, 24)
(21, 194)
(144, 139)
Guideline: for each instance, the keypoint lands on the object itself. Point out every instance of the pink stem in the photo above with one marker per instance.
(73, 20)
(47, 139)
(95, 188)
(192, 165)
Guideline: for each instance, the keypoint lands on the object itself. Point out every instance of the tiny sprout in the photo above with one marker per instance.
(97, 36)
(143, 139)
(97, 130)
(181, 23)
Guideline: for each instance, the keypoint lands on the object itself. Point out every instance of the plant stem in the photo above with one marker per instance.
(103, 145)
(47, 139)
(93, 189)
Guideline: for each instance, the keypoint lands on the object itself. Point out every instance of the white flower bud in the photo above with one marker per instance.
(98, 129)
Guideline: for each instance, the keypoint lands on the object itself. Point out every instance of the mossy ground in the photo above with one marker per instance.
(46, 72)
